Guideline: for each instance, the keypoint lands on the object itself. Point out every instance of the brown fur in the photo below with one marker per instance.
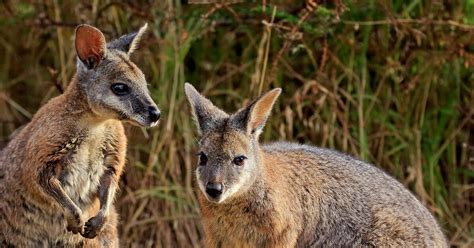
(291, 195)
(59, 175)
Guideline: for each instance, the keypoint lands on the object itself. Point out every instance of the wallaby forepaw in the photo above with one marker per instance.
(75, 226)
(75, 223)
(74, 229)
(93, 226)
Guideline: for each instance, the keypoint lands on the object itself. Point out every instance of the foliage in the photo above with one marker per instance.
(390, 82)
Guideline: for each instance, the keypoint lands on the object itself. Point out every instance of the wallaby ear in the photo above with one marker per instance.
(252, 119)
(128, 43)
(205, 113)
(90, 45)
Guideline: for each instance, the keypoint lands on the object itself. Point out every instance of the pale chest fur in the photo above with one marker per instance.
(81, 176)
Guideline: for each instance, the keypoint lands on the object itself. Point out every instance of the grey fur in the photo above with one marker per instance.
(128, 43)
(292, 195)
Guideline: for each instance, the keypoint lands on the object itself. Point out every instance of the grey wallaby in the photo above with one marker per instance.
(291, 195)
(59, 174)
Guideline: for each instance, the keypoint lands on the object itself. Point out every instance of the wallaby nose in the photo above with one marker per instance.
(153, 114)
(214, 190)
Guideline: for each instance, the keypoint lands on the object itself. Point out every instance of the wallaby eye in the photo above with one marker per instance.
(202, 158)
(120, 89)
(239, 160)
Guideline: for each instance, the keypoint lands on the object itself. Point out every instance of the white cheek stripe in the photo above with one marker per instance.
(236, 187)
(199, 182)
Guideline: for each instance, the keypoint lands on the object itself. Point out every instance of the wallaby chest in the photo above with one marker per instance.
(257, 222)
(84, 165)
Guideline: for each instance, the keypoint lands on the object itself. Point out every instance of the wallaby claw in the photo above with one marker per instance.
(93, 226)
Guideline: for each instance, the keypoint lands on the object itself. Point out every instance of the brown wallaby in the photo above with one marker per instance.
(291, 195)
(59, 175)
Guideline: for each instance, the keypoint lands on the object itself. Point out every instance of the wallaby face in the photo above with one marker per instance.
(228, 162)
(114, 86)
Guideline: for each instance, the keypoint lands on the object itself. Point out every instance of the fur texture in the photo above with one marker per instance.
(291, 195)
(59, 175)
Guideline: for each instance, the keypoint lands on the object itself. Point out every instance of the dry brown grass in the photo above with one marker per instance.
(387, 81)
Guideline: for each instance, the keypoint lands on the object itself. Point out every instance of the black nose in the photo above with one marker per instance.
(214, 190)
(154, 114)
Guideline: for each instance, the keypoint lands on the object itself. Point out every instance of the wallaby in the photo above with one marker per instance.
(59, 175)
(291, 195)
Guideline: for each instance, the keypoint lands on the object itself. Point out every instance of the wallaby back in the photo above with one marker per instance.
(291, 195)
(59, 174)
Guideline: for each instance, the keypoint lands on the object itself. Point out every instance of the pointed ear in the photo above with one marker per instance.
(90, 45)
(252, 119)
(129, 42)
(205, 113)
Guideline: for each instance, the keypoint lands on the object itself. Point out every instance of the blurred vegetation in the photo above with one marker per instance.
(390, 82)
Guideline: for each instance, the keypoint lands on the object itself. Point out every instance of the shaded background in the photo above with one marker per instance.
(390, 82)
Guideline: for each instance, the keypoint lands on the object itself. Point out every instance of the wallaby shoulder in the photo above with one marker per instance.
(58, 126)
(330, 186)
(323, 160)
(335, 175)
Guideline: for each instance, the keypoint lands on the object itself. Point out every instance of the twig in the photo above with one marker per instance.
(287, 43)
(16, 106)
(267, 50)
(410, 21)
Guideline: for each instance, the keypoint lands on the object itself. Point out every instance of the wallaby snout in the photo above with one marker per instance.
(211, 182)
(153, 114)
(145, 114)
(214, 190)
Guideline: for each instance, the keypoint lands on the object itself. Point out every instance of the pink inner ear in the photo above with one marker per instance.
(262, 109)
(256, 123)
(257, 118)
(90, 44)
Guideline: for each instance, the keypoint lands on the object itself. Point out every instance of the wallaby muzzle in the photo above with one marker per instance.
(145, 112)
(153, 114)
(214, 190)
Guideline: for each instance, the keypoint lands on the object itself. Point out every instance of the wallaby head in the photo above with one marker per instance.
(228, 147)
(114, 86)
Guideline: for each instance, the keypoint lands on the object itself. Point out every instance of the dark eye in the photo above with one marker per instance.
(239, 160)
(202, 158)
(120, 89)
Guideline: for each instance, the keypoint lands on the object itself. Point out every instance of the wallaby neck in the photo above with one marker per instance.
(267, 174)
(75, 102)
(75, 98)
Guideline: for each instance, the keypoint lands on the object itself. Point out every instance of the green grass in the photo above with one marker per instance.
(390, 82)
